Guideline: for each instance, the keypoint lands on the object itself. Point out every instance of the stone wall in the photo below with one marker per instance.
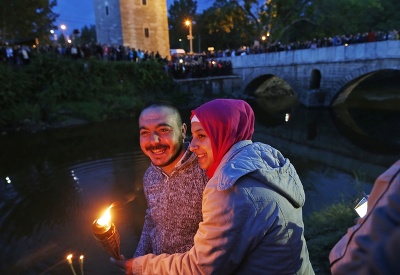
(108, 22)
(139, 24)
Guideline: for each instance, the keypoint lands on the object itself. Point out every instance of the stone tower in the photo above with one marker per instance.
(139, 24)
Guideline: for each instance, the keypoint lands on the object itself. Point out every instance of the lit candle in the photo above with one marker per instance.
(69, 259)
(81, 263)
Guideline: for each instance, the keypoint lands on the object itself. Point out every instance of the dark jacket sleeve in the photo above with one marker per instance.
(377, 253)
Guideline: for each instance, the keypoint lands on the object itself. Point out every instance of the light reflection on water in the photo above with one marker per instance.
(59, 181)
(51, 215)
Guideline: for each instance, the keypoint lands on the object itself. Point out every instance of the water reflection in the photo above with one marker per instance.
(55, 183)
(355, 124)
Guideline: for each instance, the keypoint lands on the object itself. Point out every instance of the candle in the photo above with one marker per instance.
(81, 263)
(69, 259)
(106, 234)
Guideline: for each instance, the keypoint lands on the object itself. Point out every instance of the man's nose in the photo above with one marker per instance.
(154, 137)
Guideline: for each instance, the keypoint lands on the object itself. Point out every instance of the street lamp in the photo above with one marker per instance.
(54, 35)
(63, 28)
(190, 37)
(263, 38)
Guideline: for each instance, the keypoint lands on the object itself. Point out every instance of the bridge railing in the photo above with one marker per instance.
(364, 51)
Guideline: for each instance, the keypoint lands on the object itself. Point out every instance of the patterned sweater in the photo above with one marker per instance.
(173, 207)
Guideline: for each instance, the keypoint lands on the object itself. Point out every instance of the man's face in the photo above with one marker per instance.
(161, 139)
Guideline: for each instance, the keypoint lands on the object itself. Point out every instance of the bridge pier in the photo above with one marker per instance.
(312, 98)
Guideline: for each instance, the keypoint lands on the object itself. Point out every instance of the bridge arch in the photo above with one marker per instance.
(356, 79)
(259, 84)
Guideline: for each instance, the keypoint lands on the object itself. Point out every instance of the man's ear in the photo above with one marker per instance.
(184, 129)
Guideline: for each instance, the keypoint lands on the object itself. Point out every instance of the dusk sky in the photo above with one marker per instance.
(75, 14)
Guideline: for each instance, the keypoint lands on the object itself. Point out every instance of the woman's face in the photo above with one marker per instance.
(201, 146)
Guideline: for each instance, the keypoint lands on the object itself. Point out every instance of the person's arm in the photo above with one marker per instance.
(224, 238)
(144, 246)
(377, 257)
(377, 252)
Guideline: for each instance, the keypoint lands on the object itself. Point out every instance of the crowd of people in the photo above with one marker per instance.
(182, 66)
(206, 64)
(337, 40)
(14, 54)
(197, 66)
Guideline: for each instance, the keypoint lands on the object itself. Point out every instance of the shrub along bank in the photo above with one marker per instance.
(52, 90)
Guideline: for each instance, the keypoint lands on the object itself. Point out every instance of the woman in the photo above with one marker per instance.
(252, 204)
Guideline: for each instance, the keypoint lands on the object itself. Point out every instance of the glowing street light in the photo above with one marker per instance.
(53, 33)
(190, 37)
(63, 28)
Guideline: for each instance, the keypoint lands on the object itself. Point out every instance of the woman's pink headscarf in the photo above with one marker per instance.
(226, 122)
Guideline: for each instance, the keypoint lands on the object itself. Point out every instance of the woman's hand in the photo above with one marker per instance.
(123, 264)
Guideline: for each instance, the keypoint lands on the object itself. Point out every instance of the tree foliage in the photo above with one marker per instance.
(226, 26)
(26, 19)
(341, 17)
(240, 22)
(87, 35)
(179, 12)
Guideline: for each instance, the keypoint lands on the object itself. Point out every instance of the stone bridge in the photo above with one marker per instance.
(322, 76)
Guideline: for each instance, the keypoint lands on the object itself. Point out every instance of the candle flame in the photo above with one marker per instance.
(105, 219)
(69, 258)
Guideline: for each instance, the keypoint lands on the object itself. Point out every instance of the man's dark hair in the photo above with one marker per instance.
(166, 104)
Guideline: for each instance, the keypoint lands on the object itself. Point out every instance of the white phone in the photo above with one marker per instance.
(361, 206)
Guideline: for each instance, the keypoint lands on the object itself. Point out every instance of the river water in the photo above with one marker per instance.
(54, 183)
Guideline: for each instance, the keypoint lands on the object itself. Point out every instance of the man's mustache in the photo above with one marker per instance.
(157, 147)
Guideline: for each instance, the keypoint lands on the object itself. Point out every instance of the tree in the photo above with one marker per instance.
(179, 12)
(341, 17)
(226, 25)
(26, 19)
(297, 20)
(88, 35)
(249, 20)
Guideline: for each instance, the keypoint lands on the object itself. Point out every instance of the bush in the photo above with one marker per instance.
(53, 88)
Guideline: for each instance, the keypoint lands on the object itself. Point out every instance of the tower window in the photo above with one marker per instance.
(106, 10)
(146, 32)
(144, 2)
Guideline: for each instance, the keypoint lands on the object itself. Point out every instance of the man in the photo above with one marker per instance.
(173, 184)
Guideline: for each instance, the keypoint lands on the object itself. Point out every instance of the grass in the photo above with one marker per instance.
(323, 229)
